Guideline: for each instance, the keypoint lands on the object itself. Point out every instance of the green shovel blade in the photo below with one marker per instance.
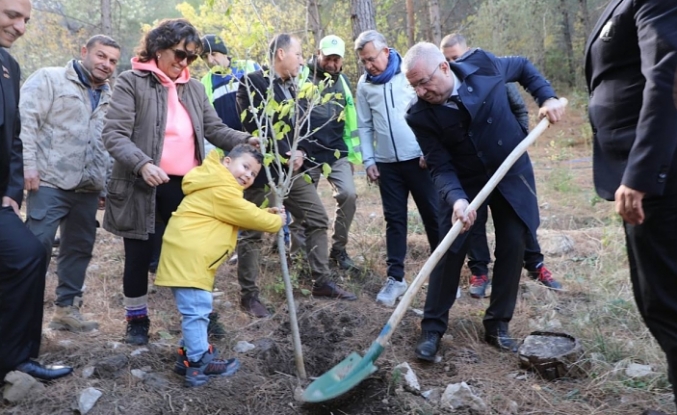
(343, 377)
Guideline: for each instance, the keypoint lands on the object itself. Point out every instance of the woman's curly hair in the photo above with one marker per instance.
(166, 34)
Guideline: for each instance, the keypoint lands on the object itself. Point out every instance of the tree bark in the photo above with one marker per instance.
(314, 21)
(568, 43)
(411, 23)
(106, 21)
(435, 26)
(362, 16)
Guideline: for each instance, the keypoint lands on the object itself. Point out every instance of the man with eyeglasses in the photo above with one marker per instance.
(391, 155)
(66, 164)
(455, 48)
(463, 122)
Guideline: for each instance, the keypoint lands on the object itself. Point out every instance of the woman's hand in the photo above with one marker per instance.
(153, 175)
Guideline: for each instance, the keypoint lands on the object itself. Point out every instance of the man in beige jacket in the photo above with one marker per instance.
(65, 165)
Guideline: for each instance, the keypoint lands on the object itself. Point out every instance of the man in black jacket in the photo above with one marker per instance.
(631, 67)
(22, 257)
(455, 48)
(463, 123)
(302, 201)
(332, 144)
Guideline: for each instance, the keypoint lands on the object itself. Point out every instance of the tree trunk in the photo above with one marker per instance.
(106, 22)
(435, 26)
(314, 21)
(568, 43)
(584, 16)
(362, 16)
(411, 23)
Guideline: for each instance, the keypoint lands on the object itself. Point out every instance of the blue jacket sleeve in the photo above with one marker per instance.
(519, 69)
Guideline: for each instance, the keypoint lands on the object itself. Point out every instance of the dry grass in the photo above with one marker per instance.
(596, 307)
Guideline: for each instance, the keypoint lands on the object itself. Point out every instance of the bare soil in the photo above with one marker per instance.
(595, 305)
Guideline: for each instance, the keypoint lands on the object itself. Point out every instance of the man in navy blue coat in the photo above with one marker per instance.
(631, 72)
(463, 123)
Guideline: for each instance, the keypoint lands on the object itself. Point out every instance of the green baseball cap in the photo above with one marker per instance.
(332, 45)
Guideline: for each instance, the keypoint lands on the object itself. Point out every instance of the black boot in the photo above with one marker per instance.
(427, 346)
(498, 336)
(137, 330)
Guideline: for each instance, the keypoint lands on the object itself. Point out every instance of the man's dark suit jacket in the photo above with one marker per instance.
(11, 150)
(463, 155)
(631, 71)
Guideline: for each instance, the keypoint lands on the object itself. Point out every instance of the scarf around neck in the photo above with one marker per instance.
(394, 60)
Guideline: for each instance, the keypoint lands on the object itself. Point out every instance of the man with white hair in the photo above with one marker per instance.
(463, 122)
(391, 155)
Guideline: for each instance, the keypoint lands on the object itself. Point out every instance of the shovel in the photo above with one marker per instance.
(354, 369)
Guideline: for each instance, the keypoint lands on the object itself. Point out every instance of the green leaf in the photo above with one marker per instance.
(326, 98)
(337, 154)
(305, 292)
(165, 335)
(243, 116)
(265, 203)
(326, 169)
(307, 178)
(268, 158)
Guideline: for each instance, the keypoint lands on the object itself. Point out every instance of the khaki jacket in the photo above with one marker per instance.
(203, 230)
(134, 134)
(61, 134)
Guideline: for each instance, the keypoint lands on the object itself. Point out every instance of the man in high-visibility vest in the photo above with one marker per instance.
(223, 80)
(334, 147)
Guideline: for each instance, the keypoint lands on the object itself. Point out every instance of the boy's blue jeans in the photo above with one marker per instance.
(194, 305)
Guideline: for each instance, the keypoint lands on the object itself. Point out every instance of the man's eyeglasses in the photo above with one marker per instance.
(180, 55)
(371, 59)
(425, 81)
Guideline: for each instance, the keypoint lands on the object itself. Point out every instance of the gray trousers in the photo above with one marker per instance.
(74, 214)
(341, 180)
(302, 202)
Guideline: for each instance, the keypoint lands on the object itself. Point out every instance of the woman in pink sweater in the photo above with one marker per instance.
(155, 129)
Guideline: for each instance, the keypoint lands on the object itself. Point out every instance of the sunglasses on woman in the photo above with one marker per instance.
(180, 55)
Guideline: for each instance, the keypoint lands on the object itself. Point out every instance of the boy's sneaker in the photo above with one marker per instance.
(544, 276)
(478, 286)
(181, 358)
(198, 373)
(391, 291)
(215, 330)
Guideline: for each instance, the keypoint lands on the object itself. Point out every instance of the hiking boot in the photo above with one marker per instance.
(252, 305)
(198, 373)
(544, 276)
(478, 286)
(342, 260)
(179, 365)
(331, 290)
(69, 318)
(215, 329)
(391, 291)
(137, 330)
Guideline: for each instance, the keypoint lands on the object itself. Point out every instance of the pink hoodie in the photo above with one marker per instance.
(178, 149)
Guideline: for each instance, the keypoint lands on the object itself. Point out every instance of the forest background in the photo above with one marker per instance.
(551, 33)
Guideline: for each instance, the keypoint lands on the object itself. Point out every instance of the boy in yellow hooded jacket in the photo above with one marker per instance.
(199, 237)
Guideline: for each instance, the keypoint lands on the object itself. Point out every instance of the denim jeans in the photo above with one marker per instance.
(194, 305)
